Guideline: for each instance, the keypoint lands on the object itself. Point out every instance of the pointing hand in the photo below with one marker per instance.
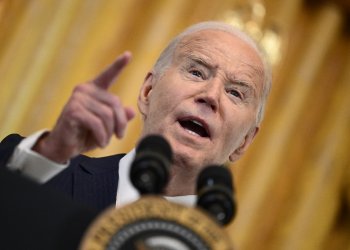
(90, 117)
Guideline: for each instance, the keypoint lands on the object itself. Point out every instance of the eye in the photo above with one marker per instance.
(196, 73)
(235, 93)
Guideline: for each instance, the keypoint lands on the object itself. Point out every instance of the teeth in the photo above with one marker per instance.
(196, 122)
(192, 133)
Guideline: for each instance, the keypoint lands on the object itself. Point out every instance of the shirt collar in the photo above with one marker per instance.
(127, 193)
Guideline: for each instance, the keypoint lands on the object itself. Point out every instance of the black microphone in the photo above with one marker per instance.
(150, 169)
(215, 193)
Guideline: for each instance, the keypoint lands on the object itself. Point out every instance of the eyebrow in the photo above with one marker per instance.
(232, 78)
(201, 61)
(245, 84)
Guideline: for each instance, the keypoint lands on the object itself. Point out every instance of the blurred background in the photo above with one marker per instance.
(293, 185)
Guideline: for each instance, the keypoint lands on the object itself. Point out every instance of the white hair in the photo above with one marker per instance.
(165, 58)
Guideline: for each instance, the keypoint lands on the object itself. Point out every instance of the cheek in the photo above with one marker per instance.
(236, 128)
(166, 97)
(162, 104)
(231, 139)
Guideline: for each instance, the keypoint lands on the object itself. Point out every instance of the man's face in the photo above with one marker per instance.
(205, 103)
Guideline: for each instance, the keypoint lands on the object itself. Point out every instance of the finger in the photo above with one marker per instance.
(130, 113)
(120, 122)
(124, 116)
(100, 102)
(104, 112)
(107, 77)
(114, 119)
(95, 96)
(90, 122)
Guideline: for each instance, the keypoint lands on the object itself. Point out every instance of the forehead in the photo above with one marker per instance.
(221, 48)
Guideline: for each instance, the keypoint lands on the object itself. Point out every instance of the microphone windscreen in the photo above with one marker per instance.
(150, 169)
(215, 193)
(215, 175)
(156, 144)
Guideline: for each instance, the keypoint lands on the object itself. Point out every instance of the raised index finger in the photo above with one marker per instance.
(106, 78)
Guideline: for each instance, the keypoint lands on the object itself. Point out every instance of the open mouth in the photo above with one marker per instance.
(195, 127)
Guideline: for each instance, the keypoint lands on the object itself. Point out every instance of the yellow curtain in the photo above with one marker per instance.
(293, 185)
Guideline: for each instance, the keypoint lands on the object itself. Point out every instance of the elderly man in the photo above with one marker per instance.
(205, 95)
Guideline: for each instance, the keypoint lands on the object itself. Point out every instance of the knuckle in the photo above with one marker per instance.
(116, 101)
(107, 115)
(122, 122)
(73, 110)
(79, 88)
(83, 88)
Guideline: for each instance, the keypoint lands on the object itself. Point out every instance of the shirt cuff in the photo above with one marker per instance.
(31, 164)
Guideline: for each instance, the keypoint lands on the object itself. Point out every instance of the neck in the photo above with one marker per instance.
(181, 182)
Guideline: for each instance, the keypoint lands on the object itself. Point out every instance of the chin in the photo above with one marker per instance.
(187, 158)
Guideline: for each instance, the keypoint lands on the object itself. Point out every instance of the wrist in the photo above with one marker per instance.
(49, 150)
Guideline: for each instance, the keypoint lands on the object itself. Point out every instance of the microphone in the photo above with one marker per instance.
(215, 193)
(150, 169)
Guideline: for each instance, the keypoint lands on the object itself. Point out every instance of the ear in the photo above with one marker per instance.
(145, 93)
(248, 139)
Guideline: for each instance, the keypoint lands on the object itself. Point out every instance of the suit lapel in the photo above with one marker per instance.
(95, 181)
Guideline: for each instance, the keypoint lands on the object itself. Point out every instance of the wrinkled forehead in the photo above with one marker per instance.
(231, 44)
(221, 46)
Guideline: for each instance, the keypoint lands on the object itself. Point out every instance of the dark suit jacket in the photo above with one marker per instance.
(91, 181)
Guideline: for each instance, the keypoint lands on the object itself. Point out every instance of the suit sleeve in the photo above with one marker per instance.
(29, 163)
(7, 147)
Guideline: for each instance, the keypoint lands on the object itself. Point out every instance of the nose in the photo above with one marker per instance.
(210, 94)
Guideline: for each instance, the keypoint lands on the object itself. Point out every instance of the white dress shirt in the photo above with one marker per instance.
(32, 164)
